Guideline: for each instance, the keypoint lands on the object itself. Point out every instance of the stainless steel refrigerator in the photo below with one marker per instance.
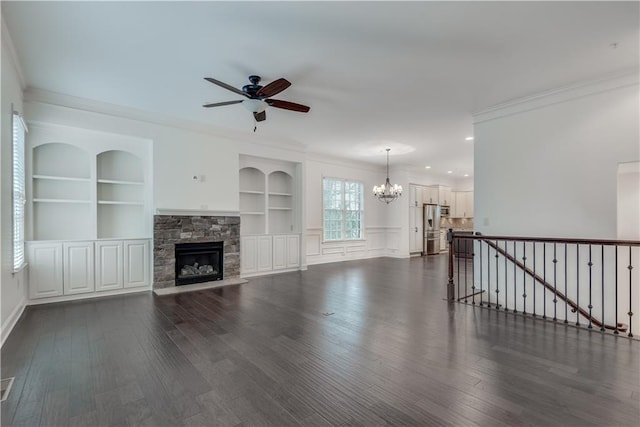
(431, 229)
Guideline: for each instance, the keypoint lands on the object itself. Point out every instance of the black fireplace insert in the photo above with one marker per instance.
(199, 262)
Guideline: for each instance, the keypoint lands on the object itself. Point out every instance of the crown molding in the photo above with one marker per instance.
(41, 96)
(555, 96)
(7, 43)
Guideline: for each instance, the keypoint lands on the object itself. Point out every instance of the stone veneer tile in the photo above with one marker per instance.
(168, 230)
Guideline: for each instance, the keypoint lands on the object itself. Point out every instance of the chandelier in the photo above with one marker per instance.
(387, 192)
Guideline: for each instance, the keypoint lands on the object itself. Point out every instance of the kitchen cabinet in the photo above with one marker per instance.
(463, 205)
(416, 229)
(415, 195)
(444, 195)
(430, 195)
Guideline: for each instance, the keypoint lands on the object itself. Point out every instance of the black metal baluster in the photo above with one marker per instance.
(544, 279)
(577, 284)
(497, 280)
(458, 264)
(566, 295)
(602, 301)
(615, 331)
(488, 275)
(534, 280)
(506, 282)
(630, 313)
(466, 261)
(524, 278)
(555, 283)
(515, 287)
(473, 272)
(480, 272)
(590, 264)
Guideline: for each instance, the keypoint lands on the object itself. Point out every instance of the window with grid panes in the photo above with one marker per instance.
(343, 209)
(18, 193)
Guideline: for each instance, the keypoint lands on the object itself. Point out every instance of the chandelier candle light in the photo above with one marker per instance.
(387, 192)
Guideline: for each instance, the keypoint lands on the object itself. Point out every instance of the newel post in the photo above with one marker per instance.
(451, 294)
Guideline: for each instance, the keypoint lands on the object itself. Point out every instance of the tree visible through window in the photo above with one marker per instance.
(343, 209)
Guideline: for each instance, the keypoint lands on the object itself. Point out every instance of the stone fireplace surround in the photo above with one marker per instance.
(168, 230)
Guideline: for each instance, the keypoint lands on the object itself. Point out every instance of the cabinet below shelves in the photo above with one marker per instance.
(269, 253)
(86, 267)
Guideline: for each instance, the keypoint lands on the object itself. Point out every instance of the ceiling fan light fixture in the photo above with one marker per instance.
(254, 105)
(387, 192)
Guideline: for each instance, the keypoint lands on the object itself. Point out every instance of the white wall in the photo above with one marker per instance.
(382, 234)
(547, 166)
(12, 287)
(629, 201)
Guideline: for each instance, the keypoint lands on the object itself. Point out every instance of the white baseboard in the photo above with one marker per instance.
(100, 294)
(11, 321)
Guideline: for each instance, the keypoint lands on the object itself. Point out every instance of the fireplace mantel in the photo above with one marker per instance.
(195, 212)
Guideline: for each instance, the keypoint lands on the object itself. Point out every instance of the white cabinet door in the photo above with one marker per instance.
(78, 262)
(469, 205)
(293, 251)
(45, 269)
(248, 254)
(415, 195)
(279, 252)
(430, 195)
(265, 253)
(136, 263)
(444, 195)
(108, 265)
(415, 229)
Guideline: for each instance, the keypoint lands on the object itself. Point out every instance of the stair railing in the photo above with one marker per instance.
(582, 282)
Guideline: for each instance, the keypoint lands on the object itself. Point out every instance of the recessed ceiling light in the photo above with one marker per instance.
(427, 167)
(466, 175)
(449, 171)
(469, 138)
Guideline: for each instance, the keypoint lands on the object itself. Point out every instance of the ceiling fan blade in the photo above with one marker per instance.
(274, 88)
(220, 104)
(226, 86)
(287, 105)
(261, 116)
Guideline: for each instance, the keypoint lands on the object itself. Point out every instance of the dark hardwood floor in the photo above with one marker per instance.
(368, 342)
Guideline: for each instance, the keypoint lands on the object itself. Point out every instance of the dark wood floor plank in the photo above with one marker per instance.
(368, 342)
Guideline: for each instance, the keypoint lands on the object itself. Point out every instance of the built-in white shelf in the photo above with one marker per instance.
(277, 208)
(280, 194)
(60, 201)
(251, 213)
(251, 192)
(61, 178)
(116, 202)
(111, 181)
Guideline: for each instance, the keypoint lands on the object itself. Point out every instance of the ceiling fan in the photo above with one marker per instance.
(258, 97)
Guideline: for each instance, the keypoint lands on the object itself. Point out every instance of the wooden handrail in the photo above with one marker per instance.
(479, 236)
(621, 326)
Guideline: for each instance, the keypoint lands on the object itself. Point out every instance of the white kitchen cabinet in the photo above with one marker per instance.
(463, 206)
(45, 269)
(444, 244)
(416, 229)
(109, 272)
(78, 263)
(415, 195)
(430, 195)
(136, 263)
(444, 195)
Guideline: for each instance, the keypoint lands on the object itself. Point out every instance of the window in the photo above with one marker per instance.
(343, 209)
(19, 130)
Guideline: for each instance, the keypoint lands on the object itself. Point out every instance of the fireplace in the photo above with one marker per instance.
(199, 262)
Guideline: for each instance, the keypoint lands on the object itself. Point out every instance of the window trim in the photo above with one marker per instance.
(22, 262)
(362, 237)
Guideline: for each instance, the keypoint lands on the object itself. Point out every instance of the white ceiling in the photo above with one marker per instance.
(403, 74)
